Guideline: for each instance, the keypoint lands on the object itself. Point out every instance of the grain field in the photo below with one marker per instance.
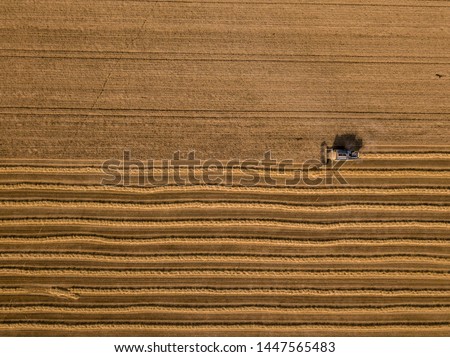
(81, 81)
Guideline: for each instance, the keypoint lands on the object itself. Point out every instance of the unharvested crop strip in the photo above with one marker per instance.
(217, 291)
(226, 223)
(202, 309)
(188, 257)
(433, 190)
(227, 205)
(237, 172)
(256, 240)
(77, 291)
(73, 326)
(407, 156)
(34, 271)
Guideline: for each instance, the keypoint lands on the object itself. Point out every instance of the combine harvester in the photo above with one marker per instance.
(345, 148)
(341, 154)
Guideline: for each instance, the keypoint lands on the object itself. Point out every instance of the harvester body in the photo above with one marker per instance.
(342, 154)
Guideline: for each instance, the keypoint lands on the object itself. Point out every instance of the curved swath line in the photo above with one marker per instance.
(208, 326)
(216, 188)
(201, 309)
(225, 204)
(227, 223)
(218, 291)
(256, 240)
(199, 257)
(141, 272)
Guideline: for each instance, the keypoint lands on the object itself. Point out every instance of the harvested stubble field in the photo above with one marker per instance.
(83, 80)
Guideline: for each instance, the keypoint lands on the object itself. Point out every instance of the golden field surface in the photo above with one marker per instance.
(81, 81)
